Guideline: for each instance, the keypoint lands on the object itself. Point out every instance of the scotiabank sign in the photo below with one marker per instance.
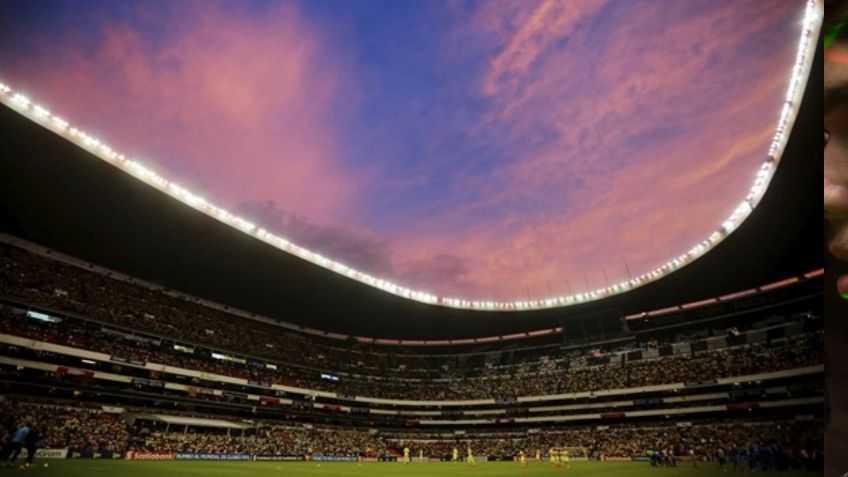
(131, 455)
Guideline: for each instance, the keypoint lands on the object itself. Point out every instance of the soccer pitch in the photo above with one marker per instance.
(121, 468)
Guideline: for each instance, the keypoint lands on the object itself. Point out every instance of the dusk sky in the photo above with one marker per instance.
(487, 150)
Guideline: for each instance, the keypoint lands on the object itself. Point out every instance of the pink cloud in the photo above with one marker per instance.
(356, 247)
(237, 107)
(641, 202)
(541, 24)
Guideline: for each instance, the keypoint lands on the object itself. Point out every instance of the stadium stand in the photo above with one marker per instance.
(134, 371)
(768, 443)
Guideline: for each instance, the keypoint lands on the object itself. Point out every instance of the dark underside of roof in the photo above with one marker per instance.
(58, 195)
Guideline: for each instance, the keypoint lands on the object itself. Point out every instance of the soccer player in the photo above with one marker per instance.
(735, 457)
(564, 458)
(554, 457)
(721, 458)
(455, 456)
(421, 455)
(406, 455)
(522, 459)
(470, 458)
(16, 442)
(33, 441)
(538, 455)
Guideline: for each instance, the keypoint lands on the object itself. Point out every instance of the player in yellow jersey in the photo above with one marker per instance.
(538, 456)
(455, 456)
(470, 458)
(564, 458)
(406, 455)
(554, 457)
(522, 459)
(420, 455)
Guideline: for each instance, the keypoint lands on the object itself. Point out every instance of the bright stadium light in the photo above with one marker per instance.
(59, 122)
(797, 81)
(21, 100)
(40, 112)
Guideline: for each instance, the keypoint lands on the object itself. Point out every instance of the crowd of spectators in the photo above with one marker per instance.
(793, 352)
(132, 322)
(39, 280)
(77, 428)
(782, 442)
(269, 440)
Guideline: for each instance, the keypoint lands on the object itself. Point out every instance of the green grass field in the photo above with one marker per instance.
(120, 468)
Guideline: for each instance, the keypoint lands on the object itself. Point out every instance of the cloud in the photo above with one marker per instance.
(632, 131)
(447, 271)
(233, 102)
(360, 249)
(355, 248)
(533, 31)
